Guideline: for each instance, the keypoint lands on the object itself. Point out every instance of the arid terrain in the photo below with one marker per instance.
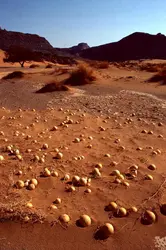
(118, 122)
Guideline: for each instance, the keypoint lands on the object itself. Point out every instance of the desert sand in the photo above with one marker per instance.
(115, 123)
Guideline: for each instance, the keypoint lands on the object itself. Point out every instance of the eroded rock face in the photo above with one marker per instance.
(29, 41)
(136, 46)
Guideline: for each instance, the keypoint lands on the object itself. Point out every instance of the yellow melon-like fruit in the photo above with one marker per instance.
(59, 156)
(150, 132)
(34, 181)
(106, 230)
(117, 181)
(96, 172)
(122, 212)
(88, 190)
(144, 131)
(29, 205)
(56, 150)
(134, 167)
(58, 201)
(83, 181)
(19, 157)
(46, 172)
(148, 177)
(31, 186)
(19, 184)
(36, 158)
(66, 177)
(126, 184)
(121, 177)
(54, 174)
(53, 207)
(112, 206)
(64, 218)
(45, 146)
(114, 163)
(158, 151)
(99, 165)
(71, 189)
(148, 217)
(115, 172)
(85, 220)
(26, 218)
(76, 140)
(152, 167)
(75, 180)
(133, 209)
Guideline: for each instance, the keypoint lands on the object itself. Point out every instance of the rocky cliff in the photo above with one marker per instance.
(29, 41)
(133, 47)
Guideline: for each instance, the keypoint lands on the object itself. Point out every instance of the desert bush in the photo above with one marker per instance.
(99, 65)
(149, 67)
(53, 86)
(159, 77)
(81, 76)
(15, 74)
(49, 66)
(33, 66)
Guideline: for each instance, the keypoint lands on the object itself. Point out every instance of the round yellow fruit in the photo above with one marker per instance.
(106, 230)
(85, 220)
(112, 206)
(64, 218)
(31, 186)
(19, 184)
(34, 181)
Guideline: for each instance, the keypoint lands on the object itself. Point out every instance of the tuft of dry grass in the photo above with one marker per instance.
(53, 86)
(49, 66)
(159, 77)
(33, 66)
(81, 76)
(13, 75)
(99, 65)
(149, 67)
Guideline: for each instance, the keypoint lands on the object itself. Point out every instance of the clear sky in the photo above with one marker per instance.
(65, 23)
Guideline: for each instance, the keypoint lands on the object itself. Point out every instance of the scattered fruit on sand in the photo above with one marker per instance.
(34, 181)
(84, 221)
(152, 167)
(105, 231)
(96, 172)
(31, 186)
(121, 212)
(148, 217)
(58, 201)
(29, 205)
(112, 206)
(19, 184)
(148, 177)
(64, 218)
(59, 155)
(133, 209)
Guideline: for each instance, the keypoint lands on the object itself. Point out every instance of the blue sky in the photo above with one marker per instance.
(65, 23)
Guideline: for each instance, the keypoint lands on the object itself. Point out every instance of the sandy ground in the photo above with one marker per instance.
(123, 107)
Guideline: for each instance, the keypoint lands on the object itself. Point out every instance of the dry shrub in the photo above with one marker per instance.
(48, 66)
(159, 77)
(13, 75)
(53, 86)
(149, 67)
(10, 213)
(99, 65)
(81, 76)
(33, 66)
